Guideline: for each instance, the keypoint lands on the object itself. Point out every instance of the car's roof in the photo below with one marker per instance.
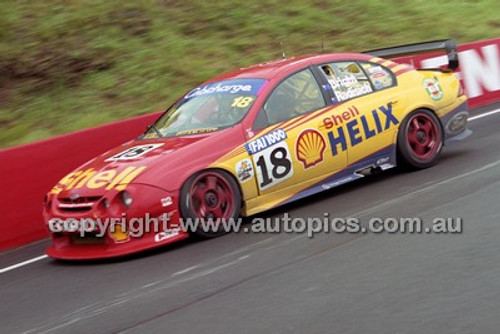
(288, 65)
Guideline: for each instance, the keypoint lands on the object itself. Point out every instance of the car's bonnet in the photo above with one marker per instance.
(149, 162)
(123, 164)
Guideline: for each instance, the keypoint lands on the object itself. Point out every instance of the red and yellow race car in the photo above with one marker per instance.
(254, 139)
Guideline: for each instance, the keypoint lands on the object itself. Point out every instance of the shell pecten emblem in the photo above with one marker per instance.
(310, 147)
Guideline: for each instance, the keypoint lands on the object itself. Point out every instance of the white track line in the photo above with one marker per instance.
(484, 115)
(38, 258)
(21, 264)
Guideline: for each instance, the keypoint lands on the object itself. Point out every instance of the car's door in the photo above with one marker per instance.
(364, 122)
(292, 150)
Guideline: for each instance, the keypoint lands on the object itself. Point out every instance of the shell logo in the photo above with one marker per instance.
(310, 147)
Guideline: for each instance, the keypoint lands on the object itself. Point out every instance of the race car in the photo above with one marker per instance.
(257, 138)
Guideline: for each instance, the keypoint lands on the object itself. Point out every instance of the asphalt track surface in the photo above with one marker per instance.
(289, 283)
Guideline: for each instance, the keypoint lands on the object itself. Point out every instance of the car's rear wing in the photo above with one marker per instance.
(448, 45)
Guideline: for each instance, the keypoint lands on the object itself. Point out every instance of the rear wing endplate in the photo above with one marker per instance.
(448, 45)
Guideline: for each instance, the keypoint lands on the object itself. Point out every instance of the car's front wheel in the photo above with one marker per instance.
(209, 199)
(420, 140)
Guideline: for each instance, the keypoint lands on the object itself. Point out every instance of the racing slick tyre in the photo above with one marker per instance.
(209, 198)
(420, 140)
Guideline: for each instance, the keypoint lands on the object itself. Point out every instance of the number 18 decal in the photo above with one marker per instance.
(274, 165)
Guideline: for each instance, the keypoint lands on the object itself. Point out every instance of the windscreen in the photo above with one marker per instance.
(208, 108)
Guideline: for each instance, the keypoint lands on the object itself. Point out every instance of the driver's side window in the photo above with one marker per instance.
(296, 95)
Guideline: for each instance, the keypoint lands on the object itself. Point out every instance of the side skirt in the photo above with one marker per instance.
(376, 162)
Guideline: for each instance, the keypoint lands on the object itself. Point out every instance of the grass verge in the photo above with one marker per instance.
(72, 64)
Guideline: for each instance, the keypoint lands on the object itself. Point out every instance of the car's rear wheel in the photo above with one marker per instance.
(209, 199)
(420, 140)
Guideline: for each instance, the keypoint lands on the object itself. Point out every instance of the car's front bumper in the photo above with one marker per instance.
(114, 230)
(68, 250)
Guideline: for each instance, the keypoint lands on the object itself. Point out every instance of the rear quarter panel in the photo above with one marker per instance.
(415, 93)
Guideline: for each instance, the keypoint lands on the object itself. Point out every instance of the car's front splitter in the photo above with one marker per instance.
(70, 251)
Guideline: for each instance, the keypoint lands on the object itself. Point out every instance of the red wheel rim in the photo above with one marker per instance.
(423, 136)
(211, 197)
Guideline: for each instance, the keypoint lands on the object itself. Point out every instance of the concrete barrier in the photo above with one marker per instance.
(27, 172)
